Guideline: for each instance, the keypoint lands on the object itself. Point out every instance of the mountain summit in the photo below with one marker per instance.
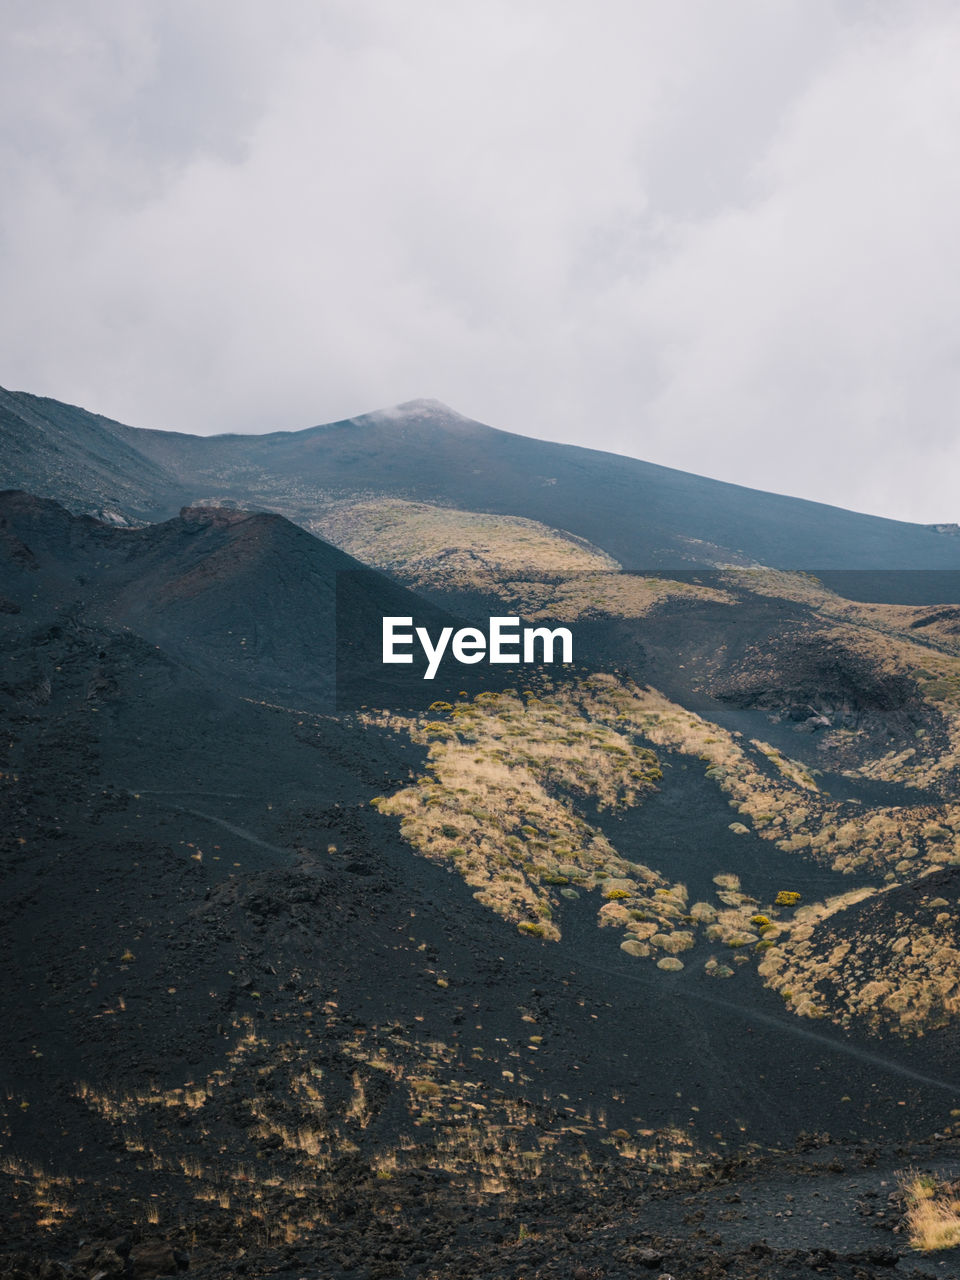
(644, 515)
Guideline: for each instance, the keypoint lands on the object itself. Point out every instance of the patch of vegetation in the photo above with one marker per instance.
(434, 546)
(932, 1211)
(893, 967)
(786, 806)
(524, 762)
(787, 898)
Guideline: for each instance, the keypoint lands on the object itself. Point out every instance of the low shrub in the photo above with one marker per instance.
(787, 898)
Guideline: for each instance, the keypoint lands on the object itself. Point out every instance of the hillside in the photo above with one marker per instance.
(645, 516)
(248, 600)
(360, 993)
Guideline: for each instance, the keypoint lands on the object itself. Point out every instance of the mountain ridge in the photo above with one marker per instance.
(644, 514)
(249, 599)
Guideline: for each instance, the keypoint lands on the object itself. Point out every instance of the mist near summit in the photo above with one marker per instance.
(719, 238)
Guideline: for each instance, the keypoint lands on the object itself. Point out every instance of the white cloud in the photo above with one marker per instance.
(718, 237)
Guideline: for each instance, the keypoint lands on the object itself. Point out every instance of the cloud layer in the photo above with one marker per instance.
(719, 237)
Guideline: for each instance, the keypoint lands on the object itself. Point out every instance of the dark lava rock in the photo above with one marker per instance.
(649, 1257)
(99, 1259)
(154, 1258)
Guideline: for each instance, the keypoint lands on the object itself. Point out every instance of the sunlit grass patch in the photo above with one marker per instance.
(933, 1211)
(498, 802)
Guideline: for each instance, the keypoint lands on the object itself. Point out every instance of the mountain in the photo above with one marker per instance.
(645, 516)
(79, 458)
(627, 968)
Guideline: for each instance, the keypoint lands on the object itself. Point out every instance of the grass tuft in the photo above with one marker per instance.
(933, 1212)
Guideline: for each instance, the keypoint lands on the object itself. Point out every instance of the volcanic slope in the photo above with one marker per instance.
(247, 598)
(257, 1019)
(80, 459)
(643, 515)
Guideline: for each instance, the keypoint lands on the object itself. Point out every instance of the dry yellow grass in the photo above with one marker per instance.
(788, 809)
(542, 573)
(496, 800)
(933, 1212)
(534, 569)
(489, 1141)
(496, 803)
(592, 595)
(430, 543)
(899, 971)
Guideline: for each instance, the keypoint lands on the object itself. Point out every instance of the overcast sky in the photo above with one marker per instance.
(718, 236)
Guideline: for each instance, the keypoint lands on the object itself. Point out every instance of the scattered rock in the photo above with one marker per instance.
(154, 1258)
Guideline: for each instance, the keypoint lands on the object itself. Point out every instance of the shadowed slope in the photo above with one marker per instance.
(247, 598)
